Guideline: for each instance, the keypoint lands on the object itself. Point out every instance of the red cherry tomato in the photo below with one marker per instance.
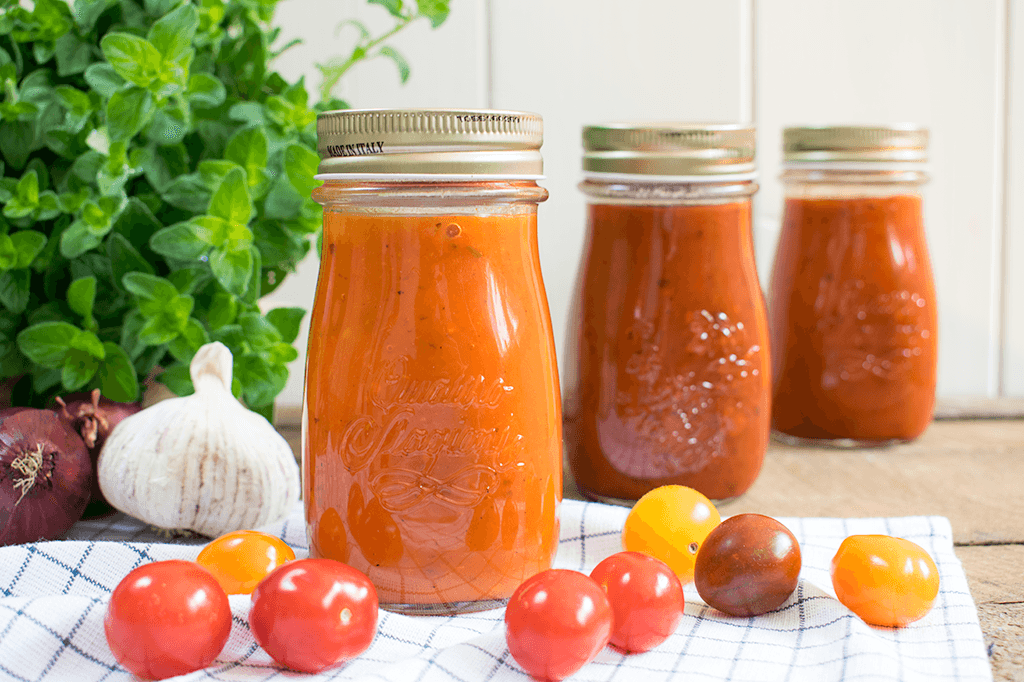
(240, 560)
(313, 613)
(167, 618)
(886, 581)
(556, 622)
(646, 598)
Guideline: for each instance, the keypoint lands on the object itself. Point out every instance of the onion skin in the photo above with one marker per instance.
(93, 417)
(45, 476)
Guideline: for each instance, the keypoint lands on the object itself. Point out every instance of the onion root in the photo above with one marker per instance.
(28, 465)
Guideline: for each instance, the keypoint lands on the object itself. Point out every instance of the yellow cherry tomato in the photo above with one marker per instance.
(670, 523)
(241, 559)
(886, 581)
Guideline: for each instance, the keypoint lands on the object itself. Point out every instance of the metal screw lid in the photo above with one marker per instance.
(901, 143)
(430, 142)
(669, 149)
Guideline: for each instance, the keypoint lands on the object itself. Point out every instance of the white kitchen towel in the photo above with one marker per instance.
(53, 596)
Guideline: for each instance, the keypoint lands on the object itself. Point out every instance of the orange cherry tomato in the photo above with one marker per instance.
(670, 523)
(886, 581)
(241, 559)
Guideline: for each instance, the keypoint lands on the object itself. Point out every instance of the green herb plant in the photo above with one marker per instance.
(156, 177)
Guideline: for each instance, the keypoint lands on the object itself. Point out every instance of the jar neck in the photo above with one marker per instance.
(822, 180)
(666, 193)
(362, 194)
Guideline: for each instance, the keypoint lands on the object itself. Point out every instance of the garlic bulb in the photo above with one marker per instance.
(201, 462)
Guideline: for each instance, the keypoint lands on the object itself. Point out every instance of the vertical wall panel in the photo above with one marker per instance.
(449, 69)
(593, 61)
(935, 62)
(1013, 342)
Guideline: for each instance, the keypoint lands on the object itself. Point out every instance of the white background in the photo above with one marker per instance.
(947, 64)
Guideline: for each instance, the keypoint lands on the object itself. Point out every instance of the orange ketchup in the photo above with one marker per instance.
(432, 440)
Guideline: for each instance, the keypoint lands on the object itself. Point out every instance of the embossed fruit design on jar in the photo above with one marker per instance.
(432, 428)
(666, 372)
(852, 299)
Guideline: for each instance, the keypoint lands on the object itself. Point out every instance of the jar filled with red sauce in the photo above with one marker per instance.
(667, 372)
(432, 424)
(852, 298)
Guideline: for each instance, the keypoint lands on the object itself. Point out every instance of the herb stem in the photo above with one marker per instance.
(332, 74)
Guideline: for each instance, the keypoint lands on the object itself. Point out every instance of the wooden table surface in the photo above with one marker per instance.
(970, 471)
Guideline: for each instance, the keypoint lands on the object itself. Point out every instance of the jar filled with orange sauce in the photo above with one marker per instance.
(432, 423)
(852, 298)
(667, 371)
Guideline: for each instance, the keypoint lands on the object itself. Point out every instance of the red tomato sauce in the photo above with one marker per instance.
(667, 378)
(853, 320)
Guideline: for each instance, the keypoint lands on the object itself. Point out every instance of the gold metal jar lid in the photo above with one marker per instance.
(882, 144)
(677, 150)
(429, 142)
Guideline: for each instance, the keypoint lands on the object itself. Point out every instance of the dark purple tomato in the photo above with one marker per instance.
(748, 565)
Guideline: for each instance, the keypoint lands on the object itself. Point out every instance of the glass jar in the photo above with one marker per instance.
(667, 377)
(852, 299)
(431, 426)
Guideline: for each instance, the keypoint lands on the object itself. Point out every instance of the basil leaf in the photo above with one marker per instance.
(178, 241)
(128, 111)
(117, 377)
(191, 339)
(47, 343)
(261, 380)
(28, 244)
(79, 367)
(173, 33)
(14, 290)
(400, 61)
(249, 149)
(300, 165)
(73, 55)
(135, 59)
(8, 254)
(287, 321)
(82, 295)
(434, 10)
(223, 310)
(394, 7)
(149, 287)
(78, 239)
(233, 269)
(103, 79)
(177, 379)
(231, 201)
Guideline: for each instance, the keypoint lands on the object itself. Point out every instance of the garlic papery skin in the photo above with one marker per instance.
(201, 462)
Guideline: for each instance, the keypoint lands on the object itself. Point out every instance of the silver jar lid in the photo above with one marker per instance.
(430, 142)
(678, 150)
(855, 144)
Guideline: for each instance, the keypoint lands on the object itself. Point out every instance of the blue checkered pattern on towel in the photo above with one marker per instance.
(53, 596)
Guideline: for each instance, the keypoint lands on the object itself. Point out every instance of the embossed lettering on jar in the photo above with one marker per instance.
(853, 312)
(666, 372)
(432, 446)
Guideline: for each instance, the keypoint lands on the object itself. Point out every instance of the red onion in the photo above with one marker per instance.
(45, 476)
(93, 418)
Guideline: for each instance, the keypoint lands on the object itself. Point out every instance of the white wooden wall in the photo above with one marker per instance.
(948, 64)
